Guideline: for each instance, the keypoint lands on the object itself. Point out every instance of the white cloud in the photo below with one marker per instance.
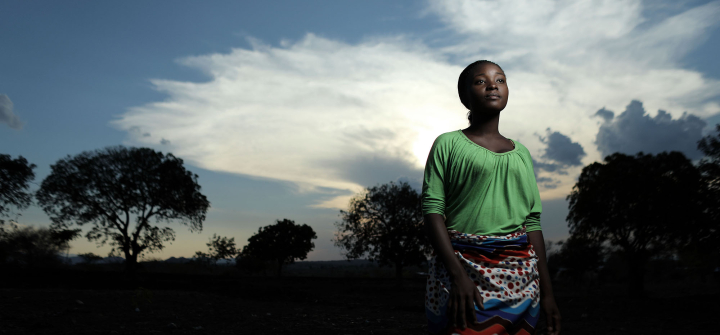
(6, 113)
(303, 111)
(287, 112)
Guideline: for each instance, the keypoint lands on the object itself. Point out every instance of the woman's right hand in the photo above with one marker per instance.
(461, 303)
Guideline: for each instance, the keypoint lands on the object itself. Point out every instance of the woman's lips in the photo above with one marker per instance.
(492, 97)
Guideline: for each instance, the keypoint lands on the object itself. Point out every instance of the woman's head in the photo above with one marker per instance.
(482, 88)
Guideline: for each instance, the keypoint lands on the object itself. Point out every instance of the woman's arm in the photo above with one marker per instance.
(547, 298)
(463, 292)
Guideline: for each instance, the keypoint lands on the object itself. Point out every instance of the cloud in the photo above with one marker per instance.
(6, 113)
(559, 154)
(137, 130)
(319, 113)
(564, 59)
(604, 114)
(561, 149)
(546, 182)
(332, 118)
(549, 167)
(633, 131)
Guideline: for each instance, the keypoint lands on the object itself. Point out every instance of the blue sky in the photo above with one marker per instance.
(285, 109)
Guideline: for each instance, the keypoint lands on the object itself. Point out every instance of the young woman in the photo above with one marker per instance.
(481, 206)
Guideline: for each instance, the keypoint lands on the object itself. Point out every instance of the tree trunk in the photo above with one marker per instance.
(130, 265)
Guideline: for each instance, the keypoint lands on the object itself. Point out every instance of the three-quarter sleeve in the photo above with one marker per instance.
(433, 189)
(532, 221)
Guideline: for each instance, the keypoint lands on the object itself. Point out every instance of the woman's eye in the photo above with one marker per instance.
(501, 80)
(480, 82)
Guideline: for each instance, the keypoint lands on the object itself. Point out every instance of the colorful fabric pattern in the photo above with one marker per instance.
(504, 269)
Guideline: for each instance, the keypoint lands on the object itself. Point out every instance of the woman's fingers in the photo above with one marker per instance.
(557, 318)
(451, 310)
(470, 308)
(479, 299)
(461, 311)
(553, 321)
(550, 323)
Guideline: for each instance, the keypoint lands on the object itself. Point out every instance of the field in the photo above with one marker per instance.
(101, 302)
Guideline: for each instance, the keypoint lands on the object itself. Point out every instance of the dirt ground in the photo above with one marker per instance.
(104, 304)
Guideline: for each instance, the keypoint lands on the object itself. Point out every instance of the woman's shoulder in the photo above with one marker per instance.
(447, 137)
(519, 145)
(450, 134)
(521, 149)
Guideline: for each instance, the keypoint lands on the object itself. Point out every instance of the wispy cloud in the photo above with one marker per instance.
(333, 117)
(7, 115)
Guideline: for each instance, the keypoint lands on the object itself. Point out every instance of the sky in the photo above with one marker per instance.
(286, 109)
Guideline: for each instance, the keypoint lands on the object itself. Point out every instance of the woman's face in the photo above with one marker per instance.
(488, 90)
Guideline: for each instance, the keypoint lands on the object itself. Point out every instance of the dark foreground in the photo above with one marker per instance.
(101, 303)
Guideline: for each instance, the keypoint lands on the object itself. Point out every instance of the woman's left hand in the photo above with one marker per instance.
(553, 315)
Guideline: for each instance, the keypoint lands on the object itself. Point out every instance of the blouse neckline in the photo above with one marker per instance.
(515, 147)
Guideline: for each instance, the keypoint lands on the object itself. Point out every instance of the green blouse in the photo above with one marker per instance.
(480, 191)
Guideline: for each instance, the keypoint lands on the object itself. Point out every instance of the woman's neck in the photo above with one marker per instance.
(484, 124)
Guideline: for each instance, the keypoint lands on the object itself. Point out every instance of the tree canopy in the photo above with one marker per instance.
(15, 176)
(704, 249)
(283, 242)
(219, 247)
(30, 247)
(710, 169)
(644, 204)
(385, 223)
(107, 187)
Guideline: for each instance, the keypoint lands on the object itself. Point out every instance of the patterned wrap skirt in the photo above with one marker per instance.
(504, 269)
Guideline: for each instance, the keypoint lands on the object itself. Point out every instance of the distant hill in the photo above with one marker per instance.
(178, 260)
(75, 259)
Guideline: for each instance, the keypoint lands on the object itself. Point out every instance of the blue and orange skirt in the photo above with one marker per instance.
(504, 269)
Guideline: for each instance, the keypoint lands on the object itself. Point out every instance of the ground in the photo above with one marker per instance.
(103, 303)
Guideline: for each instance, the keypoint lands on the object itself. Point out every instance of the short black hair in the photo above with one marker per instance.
(465, 81)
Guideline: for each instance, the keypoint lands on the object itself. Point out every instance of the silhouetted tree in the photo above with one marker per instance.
(106, 187)
(710, 164)
(645, 205)
(219, 248)
(578, 255)
(203, 258)
(30, 247)
(710, 168)
(222, 248)
(64, 236)
(283, 242)
(384, 223)
(15, 176)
